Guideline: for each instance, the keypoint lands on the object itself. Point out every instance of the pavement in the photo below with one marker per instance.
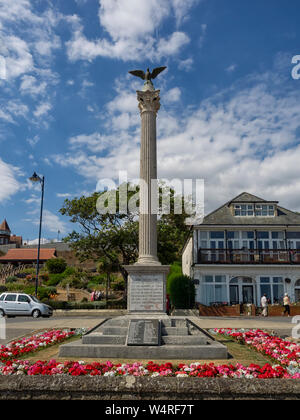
(19, 327)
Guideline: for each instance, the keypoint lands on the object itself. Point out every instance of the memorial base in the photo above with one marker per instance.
(147, 289)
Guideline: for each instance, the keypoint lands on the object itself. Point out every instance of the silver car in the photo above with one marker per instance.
(20, 304)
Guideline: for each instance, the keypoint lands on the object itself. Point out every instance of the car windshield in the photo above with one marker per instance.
(35, 299)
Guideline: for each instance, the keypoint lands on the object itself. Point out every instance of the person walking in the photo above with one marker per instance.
(286, 304)
(264, 304)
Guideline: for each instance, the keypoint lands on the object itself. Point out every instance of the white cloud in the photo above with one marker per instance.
(186, 64)
(173, 95)
(51, 222)
(231, 69)
(245, 138)
(42, 109)
(131, 31)
(8, 181)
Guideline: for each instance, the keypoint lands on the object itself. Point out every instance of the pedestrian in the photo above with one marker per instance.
(93, 296)
(286, 304)
(264, 304)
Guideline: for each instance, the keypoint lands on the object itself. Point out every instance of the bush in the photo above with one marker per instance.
(11, 279)
(55, 279)
(56, 265)
(3, 289)
(182, 291)
(118, 285)
(16, 287)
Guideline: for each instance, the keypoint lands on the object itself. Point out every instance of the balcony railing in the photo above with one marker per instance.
(248, 256)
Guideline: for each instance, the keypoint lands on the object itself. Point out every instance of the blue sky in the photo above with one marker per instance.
(68, 110)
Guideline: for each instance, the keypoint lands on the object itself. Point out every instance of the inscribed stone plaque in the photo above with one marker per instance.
(144, 332)
(147, 293)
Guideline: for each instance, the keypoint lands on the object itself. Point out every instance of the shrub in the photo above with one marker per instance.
(16, 287)
(44, 277)
(55, 279)
(56, 265)
(182, 291)
(118, 285)
(11, 279)
(3, 289)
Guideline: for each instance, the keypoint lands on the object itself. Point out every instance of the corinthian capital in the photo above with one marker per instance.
(148, 100)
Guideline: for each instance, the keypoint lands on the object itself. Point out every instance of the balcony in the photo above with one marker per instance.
(248, 256)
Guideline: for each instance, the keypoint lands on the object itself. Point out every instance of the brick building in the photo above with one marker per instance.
(6, 238)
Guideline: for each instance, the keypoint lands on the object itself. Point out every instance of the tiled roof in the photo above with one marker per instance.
(22, 254)
(224, 216)
(4, 226)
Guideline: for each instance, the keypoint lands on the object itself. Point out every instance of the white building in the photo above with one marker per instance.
(246, 248)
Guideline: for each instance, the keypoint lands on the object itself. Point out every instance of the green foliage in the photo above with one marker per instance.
(118, 285)
(3, 289)
(56, 265)
(55, 279)
(11, 279)
(16, 287)
(113, 238)
(182, 291)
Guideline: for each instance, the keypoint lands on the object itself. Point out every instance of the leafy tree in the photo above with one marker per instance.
(56, 265)
(113, 238)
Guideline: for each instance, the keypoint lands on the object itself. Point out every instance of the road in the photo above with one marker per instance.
(18, 327)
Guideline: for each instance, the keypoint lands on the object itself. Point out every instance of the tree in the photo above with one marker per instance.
(107, 267)
(56, 265)
(182, 291)
(114, 237)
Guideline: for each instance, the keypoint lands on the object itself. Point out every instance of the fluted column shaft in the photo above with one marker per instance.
(149, 106)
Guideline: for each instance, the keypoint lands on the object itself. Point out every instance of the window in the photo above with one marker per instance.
(217, 235)
(2, 297)
(203, 235)
(277, 235)
(273, 288)
(251, 210)
(23, 298)
(233, 235)
(293, 235)
(262, 235)
(213, 290)
(11, 298)
(247, 235)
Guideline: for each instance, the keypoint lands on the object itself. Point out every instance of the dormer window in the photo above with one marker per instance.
(251, 210)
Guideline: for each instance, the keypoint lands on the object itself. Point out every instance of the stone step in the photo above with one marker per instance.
(97, 338)
(174, 331)
(117, 322)
(114, 331)
(190, 340)
(82, 351)
(173, 322)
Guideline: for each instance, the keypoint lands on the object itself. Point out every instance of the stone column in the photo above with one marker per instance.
(147, 278)
(148, 105)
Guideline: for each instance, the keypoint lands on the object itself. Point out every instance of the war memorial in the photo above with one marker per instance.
(147, 331)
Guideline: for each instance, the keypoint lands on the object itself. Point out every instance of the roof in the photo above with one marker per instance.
(224, 216)
(4, 226)
(21, 254)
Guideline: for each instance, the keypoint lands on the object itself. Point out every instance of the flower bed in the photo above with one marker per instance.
(281, 351)
(32, 344)
(137, 369)
(284, 352)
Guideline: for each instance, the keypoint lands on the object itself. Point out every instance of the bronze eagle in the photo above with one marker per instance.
(148, 76)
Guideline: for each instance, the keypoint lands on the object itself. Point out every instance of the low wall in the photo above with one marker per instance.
(234, 310)
(277, 310)
(145, 388)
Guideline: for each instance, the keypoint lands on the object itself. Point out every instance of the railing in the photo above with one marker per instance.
(9, 271)
(248, 256)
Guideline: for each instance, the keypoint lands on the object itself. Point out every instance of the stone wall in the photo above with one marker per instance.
(145, 388)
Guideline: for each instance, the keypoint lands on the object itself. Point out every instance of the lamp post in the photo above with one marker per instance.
(36, 178)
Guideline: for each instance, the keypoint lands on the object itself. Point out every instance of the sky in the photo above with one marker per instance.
(68, 109)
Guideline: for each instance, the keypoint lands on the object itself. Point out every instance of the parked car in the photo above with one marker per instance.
(21, 304)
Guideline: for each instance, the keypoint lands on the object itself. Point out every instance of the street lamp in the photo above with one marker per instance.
(36, 178)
